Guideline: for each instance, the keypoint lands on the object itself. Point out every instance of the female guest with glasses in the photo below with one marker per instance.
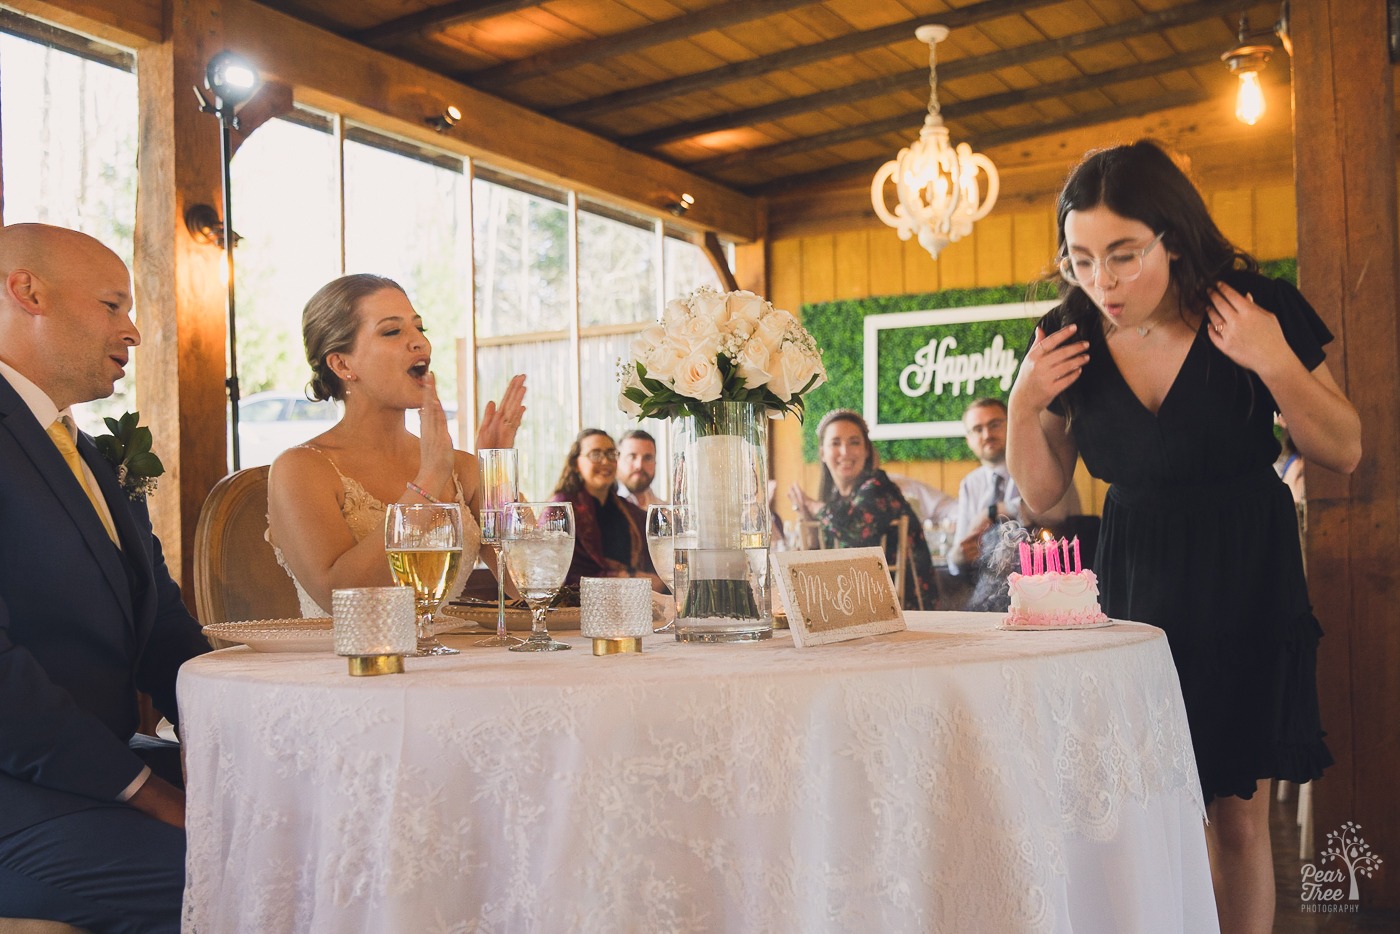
(610, 533)
(1163, 367)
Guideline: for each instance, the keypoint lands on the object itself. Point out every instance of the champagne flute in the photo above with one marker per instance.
(424, 545)
(500, 486)
(669, 527)
(538, 539)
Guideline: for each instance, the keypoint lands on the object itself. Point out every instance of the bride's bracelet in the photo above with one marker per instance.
(415, 488)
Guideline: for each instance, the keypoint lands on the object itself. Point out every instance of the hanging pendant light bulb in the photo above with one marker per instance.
(939, 195)
(1245, 61)
(1249, 104)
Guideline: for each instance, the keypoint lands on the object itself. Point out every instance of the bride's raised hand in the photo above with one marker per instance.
(499, 422)
(1052, 364)
(435, 451)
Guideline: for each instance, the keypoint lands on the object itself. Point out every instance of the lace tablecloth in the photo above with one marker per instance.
(949, 778)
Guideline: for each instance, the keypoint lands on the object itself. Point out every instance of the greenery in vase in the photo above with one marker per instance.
(720, 347)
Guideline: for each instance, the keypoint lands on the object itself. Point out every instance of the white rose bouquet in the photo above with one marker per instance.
(720, 347)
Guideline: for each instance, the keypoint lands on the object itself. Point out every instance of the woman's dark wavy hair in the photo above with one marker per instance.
(827, 491)
(570, 480)
(1140, 181)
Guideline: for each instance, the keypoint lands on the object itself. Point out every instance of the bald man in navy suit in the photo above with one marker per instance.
(89, 613)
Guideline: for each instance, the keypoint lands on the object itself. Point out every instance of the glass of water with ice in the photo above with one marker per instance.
(538, 540)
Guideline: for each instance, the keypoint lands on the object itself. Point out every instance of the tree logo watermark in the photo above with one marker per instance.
(1334, 889)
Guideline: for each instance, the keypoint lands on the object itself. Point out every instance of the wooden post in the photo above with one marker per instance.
(1345, 160)
(180, 283)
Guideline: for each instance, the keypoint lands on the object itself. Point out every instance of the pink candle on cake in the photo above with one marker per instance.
(1038, 550)
(1077, 565)
(1064, 546)
(1025, 551)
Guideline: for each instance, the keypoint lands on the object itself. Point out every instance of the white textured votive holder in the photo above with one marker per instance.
(374, 628)
(615, 612)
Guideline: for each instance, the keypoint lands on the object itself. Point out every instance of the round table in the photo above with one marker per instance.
(952, 777)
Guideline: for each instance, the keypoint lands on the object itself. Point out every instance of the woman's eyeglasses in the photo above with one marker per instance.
(598, 455)
(1118, 266)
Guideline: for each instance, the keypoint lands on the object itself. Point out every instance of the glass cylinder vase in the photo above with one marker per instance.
(720, 468)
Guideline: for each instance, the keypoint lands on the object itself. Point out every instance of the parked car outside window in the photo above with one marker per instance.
(270, 422)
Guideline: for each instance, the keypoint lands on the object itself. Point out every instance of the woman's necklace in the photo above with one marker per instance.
(1145, 329)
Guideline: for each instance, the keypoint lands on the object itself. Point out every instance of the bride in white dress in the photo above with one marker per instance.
(326, 498)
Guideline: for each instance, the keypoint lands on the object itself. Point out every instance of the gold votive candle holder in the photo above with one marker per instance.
(615, 612)
(374, 628)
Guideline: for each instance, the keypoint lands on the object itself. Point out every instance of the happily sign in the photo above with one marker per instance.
(922, 368)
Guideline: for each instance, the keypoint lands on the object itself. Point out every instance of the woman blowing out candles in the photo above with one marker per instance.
(1163, 367)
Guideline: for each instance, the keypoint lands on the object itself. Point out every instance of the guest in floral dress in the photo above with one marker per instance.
(858, 502)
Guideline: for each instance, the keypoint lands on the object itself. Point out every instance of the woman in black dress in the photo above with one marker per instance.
(858, 501)
(1163, 367)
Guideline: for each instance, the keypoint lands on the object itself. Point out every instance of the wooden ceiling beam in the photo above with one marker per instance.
(997, 138)
(373, 88)
(131, 23)
(792, 58)
(959, 110)
(596, 50)
(435, 19)
(909, 80)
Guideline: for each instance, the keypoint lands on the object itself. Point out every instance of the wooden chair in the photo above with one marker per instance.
(809, 536)
(902, 569)
(236, 575)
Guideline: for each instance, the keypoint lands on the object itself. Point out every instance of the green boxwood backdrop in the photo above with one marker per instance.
(839, 329)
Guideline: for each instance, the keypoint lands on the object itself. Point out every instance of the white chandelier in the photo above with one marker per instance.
(939, 200)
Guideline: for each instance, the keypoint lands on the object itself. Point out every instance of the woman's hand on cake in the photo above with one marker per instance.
(1052, 364)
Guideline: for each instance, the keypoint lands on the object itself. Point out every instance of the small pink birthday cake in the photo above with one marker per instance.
(1053, 591)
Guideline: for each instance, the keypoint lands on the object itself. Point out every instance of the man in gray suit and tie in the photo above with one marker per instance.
(89, 613)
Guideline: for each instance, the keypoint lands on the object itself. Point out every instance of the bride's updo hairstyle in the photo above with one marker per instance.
(329, 323)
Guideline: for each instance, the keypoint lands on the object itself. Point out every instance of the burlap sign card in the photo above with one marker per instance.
(835, 595)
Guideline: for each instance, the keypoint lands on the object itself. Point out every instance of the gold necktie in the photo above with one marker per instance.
(63, 440)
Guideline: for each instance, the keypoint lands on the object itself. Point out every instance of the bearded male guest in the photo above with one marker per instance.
(89, 614)
(636, 468)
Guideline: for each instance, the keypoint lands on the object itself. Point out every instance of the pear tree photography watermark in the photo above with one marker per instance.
(1331, 884)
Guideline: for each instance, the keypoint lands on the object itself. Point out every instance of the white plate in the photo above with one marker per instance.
(1003, 625)
(278, 635)
(517, 619)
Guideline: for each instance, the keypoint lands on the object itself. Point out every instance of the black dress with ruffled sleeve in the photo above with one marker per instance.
(1200, 538)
